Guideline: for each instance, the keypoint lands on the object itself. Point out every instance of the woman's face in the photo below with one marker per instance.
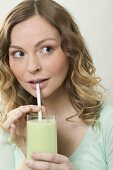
(35, 56)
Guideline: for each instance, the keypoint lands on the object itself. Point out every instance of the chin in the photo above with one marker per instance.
(32, 93)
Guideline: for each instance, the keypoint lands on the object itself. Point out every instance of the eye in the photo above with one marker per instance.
(17, 54)
(47, 49)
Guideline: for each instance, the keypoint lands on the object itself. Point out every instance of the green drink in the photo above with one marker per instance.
(41, 134)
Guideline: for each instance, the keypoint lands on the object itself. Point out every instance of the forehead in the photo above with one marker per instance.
(34, 27)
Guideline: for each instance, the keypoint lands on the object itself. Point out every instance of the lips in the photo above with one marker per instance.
(42, 83)
(37, 81)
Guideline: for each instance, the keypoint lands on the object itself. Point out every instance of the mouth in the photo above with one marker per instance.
(42, 83)
(38, 81)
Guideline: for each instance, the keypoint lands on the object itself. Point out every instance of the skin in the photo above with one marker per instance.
(36, 53)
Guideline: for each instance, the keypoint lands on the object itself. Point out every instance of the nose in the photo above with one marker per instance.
(33, 65)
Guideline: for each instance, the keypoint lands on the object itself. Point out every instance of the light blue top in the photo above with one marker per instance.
(95, 152)
(10, 154)
(96, 149)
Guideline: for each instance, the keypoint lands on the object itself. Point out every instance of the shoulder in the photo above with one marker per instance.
(106, 126)
(106, 119)
(106, 114)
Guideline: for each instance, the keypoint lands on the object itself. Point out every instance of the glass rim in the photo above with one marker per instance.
(34, 115)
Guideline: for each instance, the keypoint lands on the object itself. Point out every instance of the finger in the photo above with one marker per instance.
(24, 109)
(15, 115)
(43, 109)
(12, 133)
(41, 165)
(34, 108)
(50, 157)
(27, 108)
(18, 110)
(18, 113)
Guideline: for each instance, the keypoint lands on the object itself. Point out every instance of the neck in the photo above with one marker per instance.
(59, 103)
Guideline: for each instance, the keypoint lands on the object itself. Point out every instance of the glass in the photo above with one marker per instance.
(41, 135)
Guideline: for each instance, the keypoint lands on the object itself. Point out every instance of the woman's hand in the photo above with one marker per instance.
(49, 161)
(16, 124)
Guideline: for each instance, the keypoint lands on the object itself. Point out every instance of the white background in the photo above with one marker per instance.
(95, 20)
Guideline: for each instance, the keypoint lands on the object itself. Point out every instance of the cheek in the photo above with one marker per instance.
(59, 66)
(18, 70)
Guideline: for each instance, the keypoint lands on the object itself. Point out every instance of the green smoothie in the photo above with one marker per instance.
(41, 136)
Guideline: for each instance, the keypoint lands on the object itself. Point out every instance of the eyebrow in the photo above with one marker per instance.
(36, 45)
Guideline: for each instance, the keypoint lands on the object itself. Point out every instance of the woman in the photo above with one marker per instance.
(40, 42)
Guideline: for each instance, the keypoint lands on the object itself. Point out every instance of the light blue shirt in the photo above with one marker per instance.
(95, 152)
(10, 154)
